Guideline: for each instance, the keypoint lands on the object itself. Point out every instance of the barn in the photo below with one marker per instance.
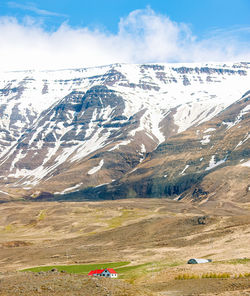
(198, 261)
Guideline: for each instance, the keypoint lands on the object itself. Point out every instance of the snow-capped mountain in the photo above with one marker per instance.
(68, 130)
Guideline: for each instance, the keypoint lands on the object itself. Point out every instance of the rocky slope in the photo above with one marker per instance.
(58, 284)
(203, 163)
(141, 129)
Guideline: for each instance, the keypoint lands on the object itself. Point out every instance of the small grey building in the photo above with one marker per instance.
(198, 261)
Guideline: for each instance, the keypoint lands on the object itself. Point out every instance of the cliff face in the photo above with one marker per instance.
(122, 130)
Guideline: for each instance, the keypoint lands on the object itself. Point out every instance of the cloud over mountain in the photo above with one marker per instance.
(142, 37)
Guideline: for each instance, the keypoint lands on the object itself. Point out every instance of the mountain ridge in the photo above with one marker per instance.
(87, 127)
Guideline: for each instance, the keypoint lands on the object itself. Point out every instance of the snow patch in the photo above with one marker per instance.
(243, 141)
(238, 118)
(213, 163)
(246, 164)
(211, 129)
(205, 140)
(18, 157)
(183, 172)
(97, 141)
(143, 148)
(101, 185)
(92, 125)
(69, 189)
(97, 168)
(124, 143)
(195, 113)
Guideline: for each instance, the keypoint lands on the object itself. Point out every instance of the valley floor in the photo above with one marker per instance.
(157, 237)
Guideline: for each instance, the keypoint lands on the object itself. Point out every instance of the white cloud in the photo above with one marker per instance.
(143, 36)
(33, 8)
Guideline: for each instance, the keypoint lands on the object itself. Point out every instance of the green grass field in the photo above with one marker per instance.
(123, 269)
(84, 268)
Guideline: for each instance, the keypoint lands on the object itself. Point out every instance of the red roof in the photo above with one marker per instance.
(96, 271)
(100, 271)
(111, 270)
(91, 272)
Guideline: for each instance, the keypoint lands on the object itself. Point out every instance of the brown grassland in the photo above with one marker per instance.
(157, 237)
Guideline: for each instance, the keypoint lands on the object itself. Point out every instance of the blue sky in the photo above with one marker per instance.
(185, 31)
(202, 15)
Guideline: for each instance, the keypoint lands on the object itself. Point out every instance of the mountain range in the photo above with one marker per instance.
(119, 131)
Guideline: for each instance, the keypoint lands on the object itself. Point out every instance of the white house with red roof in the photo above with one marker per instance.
(107, 272)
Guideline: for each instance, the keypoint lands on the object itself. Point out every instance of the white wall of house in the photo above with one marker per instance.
(106, 273)
(113, 275)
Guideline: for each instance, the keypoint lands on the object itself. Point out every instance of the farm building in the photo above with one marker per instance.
(107, 272)
(198, 261)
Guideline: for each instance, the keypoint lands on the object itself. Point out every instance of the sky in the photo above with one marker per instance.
(53, 34)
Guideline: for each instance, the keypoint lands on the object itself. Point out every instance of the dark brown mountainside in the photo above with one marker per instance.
(204, 162)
